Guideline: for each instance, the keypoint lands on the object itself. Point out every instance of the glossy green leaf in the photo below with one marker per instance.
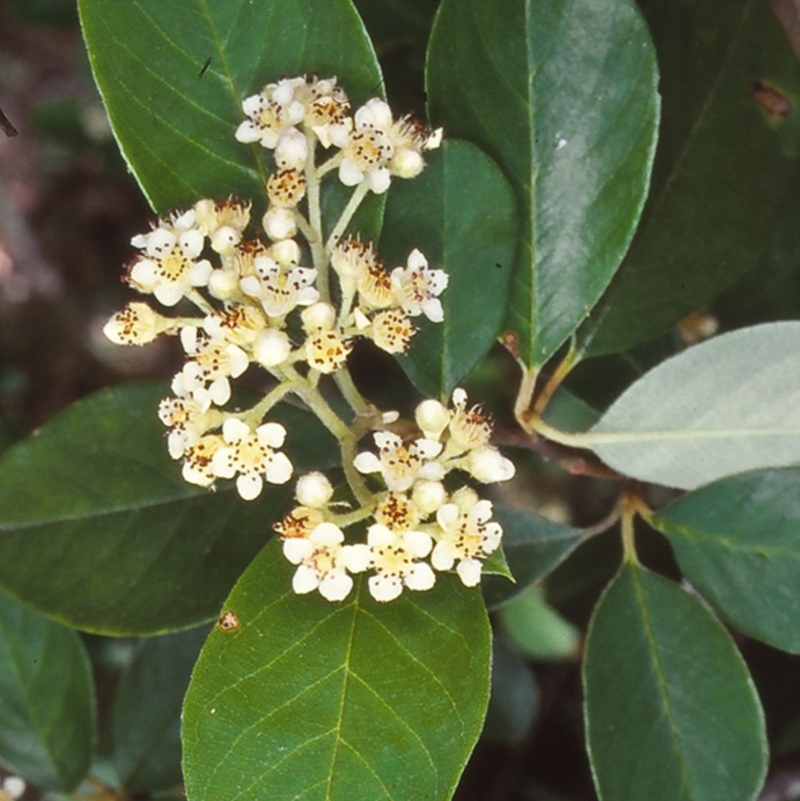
(460, 213)
(725, 406)
(98, 529)
(533, 546)
(313, 700)
(173, 73)
(147, 711)
(771, 289)
(723, 168)
(562, 95)
(736, 541)
(671, 712)
(46, 699)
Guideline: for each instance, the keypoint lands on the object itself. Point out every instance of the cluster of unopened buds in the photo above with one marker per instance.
(258, 303)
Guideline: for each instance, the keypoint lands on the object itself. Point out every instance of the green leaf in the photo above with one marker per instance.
(536, 629)
(736, 542)
(671, 712)
(46, 699)
(98, 529)
(723, 166)
(725, 406)
(771, 289)
(147, 711)
(173, 73)
(313, 700)
(460, 213)
(562, 95)
(533, 546)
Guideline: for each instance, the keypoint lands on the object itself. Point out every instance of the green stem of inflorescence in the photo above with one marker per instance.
(310, 394)
(314, 236)
(359, 193)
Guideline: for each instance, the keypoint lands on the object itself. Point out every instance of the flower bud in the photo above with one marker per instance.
(432, 418)
(285, 252)
(223, 284)
(407, 164)
(313, 490)
(428, 496)
(272, 347)
(279, 223)
(464, 499)
(488, 465)
(225, 239)
(292, 150)
(318, 316)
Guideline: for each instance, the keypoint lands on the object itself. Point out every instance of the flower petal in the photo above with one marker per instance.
(469, 571)
(249, 486)
(384, 588)
(280, 469)
(335, 586)
(305, 580)
(419, 577)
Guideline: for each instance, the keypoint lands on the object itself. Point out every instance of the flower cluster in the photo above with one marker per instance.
(266, 302)
(289, 115)
(415, 519)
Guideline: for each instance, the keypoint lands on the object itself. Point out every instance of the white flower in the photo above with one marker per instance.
(136, 324)
(351, 259)
(409, 139)
(399, 463)
(240, 324)
(169, 267)
(397, 512)
(326, 112)
(280, 291)
(300, 522)
(369, 149)
(322, 562)
(196, 467)
(223, 222)
(468, 428)
(286, 188)
(392, 331)
(182, 225)
(327, 351)
(466, 535)
(314, 490)
(188, 419)
(213, 363)
(417, 286)
(395, 559)
(252, 455)
(375, 286)
(271, 112)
